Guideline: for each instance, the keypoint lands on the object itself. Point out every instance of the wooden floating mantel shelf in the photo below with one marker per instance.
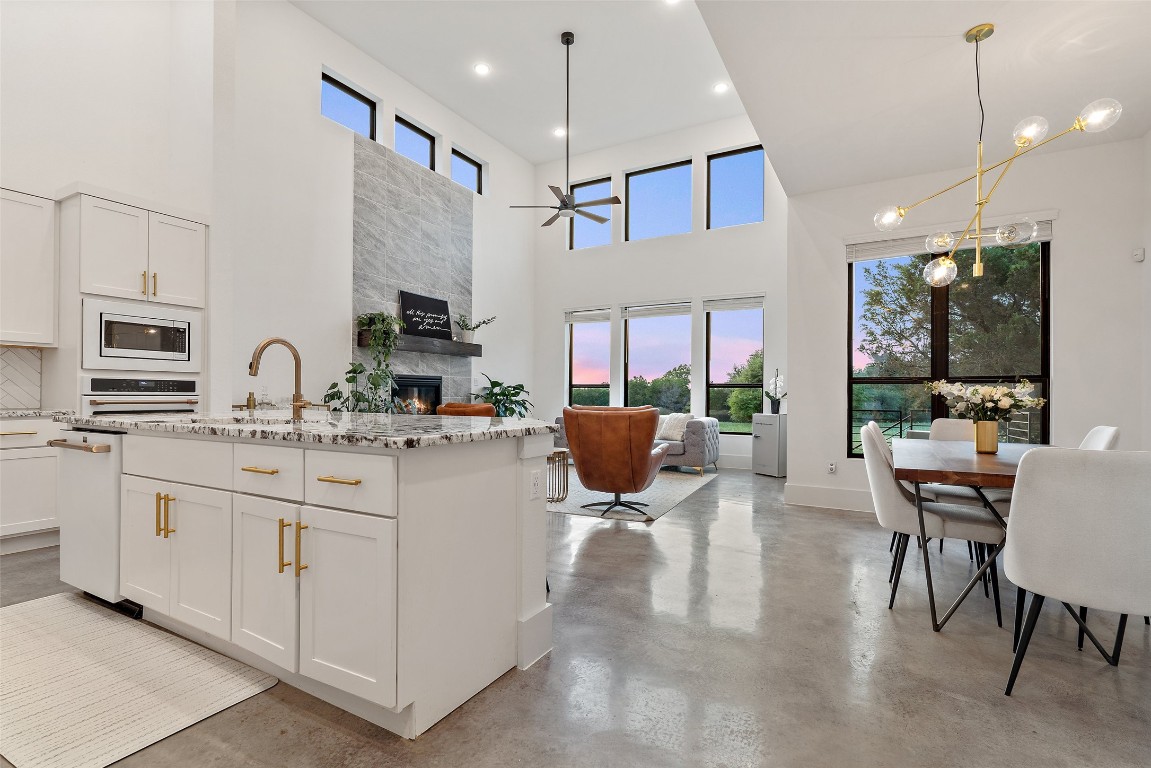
(408, 343)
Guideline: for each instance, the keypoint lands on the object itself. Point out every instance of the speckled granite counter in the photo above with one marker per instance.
(35, 413)
(350, 429)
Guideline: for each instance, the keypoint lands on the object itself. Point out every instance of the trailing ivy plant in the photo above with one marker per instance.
(370, 389)
(505, 397)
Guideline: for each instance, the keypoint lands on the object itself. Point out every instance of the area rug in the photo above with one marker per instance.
(82, 686)
(670, 488)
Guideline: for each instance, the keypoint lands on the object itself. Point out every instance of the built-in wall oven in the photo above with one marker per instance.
(117, 394)
(140, 336)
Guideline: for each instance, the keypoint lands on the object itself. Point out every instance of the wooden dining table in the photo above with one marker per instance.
(955, 462)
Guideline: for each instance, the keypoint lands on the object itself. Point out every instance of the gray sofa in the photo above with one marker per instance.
(698, 449)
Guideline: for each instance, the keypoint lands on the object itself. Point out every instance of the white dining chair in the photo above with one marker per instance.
(953, 429)
(1100, 439)
(1079, 533)
(895, 510)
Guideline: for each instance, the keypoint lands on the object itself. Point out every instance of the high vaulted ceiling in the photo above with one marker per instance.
(638, 68)
(845, 93)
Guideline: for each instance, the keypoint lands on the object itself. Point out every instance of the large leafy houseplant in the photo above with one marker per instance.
(370, 389)
(505, 397)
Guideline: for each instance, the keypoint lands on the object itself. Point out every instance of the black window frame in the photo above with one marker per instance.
(431, 166)
(571, 191)
(707, 383)
(940, 352)
(348, 90)
(572, 386)
(627, 195)
(479, 190)
(730, 153)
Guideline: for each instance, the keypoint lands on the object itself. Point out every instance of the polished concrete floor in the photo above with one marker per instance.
(733, 631)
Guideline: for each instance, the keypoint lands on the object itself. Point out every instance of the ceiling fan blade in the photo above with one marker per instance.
(592, 216)
(602, 201)
(558, 193)
(552, 207)
(550, 221)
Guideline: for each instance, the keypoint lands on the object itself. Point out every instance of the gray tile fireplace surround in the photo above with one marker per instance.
(411, 231)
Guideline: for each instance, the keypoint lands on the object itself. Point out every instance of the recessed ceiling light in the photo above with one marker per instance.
(720, 87)
(559, 133)
(482, 69)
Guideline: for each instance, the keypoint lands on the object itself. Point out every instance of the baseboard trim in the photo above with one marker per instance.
(734, 461)
(24, 542)
(827, 497)
(534, 637)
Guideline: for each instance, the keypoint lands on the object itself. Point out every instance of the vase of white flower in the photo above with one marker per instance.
(775, 391)
(986, 405)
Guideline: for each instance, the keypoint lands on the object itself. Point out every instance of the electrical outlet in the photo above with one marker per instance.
(537, 481)
(831, 467)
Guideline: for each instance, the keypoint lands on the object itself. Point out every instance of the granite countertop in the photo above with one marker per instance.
(17, 413)
(371, 430)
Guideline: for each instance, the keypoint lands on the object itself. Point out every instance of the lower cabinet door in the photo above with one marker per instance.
(200, 523)
(348, 602)
(145, 555)
(265, 616)
(27, 491)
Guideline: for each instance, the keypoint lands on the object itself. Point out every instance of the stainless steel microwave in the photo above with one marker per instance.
(140, 337)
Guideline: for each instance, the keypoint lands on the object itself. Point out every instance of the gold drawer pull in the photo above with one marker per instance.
(338, 480)
(86, 447)
(260, 470)
(300, 565)
(10, 434)
(167, 514)
(283, 563)
(154, 282)
(144, 277)
(159, 528)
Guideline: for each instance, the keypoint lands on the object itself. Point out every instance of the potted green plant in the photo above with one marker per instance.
(468, 327)
(505, 397)
(370, 389)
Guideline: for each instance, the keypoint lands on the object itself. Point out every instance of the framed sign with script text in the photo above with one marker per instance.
(425, 316)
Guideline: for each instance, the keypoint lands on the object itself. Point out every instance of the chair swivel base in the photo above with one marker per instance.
(633, 506)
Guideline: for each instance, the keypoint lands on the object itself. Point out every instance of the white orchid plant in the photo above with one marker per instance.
(986, 402)
(775, 389)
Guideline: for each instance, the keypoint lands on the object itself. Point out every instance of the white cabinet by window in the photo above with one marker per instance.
(769, 444)
(132, 253)
(176, 549)
(27, 269)
(265, 611)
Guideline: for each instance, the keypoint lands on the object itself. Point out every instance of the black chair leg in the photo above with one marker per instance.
(994, 571)
(941, 545)
(1147, 620)
(1024, 640)
(1083, 618)
(894, 558)
(1020, 596)
(900, 554)
(970, 552)
(891, 546)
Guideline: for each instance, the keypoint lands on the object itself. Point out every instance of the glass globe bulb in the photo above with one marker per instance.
(889, 218)
(1017, 233)
(940, 272)
(1031, 130)
(1100, 115)
(940, 242)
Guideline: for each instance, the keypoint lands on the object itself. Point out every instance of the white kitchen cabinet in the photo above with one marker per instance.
(28, 271)
(176, 260)
(27, 490)
(265, 609)
(176, 550)
(348, 602)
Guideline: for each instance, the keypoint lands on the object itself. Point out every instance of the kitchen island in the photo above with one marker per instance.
(391, 565)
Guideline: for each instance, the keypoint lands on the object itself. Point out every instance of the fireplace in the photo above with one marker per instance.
(418, 394)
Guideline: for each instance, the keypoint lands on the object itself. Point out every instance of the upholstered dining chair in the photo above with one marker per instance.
(1100, 438)
(613, 451)
(953, 429)
(1078, 533)
(896, 511)
(466, 409)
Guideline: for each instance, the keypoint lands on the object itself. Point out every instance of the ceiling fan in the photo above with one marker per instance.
(568, 207)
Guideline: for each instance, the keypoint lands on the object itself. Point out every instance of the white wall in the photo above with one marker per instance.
(290, 189)
(1099, 313)
(746, 259)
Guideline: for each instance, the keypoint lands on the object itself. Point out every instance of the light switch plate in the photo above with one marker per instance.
(537, 481)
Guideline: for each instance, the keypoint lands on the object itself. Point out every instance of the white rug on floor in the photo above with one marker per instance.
(82, 686)
(671, 486)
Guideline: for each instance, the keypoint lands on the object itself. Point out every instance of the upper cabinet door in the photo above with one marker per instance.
(176, 260)
(113, 249)
(27, 269)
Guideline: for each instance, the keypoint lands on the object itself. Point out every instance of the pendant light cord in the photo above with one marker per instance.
(567, 119)
(979, 91)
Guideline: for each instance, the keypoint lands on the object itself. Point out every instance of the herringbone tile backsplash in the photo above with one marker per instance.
(19, 377)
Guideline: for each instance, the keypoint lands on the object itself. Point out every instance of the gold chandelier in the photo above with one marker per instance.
(1028, 135)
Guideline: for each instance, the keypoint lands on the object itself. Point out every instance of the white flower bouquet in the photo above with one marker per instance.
(775, 389)
(985, 402)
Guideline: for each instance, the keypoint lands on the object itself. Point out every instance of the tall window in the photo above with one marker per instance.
(657, 357)
(347, 107)
(589, 357)
(658, 201)
(735, 187)
(415, 143)
(467, 171)
(734, 363)
(982, 330)
(586, 233)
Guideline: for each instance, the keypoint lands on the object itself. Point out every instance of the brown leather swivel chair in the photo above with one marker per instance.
(466, 409)
(612, 450)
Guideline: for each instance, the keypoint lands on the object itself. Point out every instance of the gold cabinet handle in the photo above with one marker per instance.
(338, 480)
(300, 566)
(159, 528)
(10, 434)
(260, 470)
(154, 283)
(167, 514)
(144, 280)
(283, 563)
(85, 447)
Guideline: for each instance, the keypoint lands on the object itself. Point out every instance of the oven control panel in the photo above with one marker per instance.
(104, 386)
